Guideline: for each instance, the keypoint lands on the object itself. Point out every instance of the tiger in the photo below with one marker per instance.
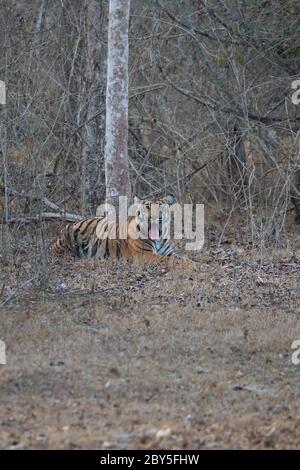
(147, 234)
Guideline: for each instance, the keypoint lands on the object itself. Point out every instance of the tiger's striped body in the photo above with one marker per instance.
(96, 238)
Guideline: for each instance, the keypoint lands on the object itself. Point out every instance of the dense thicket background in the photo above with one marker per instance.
(188, 353)
(211, 116)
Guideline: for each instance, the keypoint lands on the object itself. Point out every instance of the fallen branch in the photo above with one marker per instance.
(51, 204)
(17, 289)
(43, 216)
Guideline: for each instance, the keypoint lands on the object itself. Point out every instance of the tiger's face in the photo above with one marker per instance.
(153, 217)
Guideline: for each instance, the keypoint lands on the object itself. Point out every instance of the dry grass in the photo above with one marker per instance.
(106, 355)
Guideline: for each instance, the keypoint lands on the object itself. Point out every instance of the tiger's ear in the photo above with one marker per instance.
(169, 199)
(136, 200)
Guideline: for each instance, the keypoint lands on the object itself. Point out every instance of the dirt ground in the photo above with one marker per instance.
(117, 356)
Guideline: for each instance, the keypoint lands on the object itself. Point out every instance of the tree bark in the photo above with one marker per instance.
(93, 178)
(116, 149)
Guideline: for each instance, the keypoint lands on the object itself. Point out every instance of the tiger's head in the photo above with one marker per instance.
(153, 217)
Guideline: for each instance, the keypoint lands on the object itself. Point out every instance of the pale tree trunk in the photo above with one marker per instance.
(93, 177)
(116, 149)
(40, 18)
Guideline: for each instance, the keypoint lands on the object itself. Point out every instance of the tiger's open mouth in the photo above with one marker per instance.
(154, 231)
